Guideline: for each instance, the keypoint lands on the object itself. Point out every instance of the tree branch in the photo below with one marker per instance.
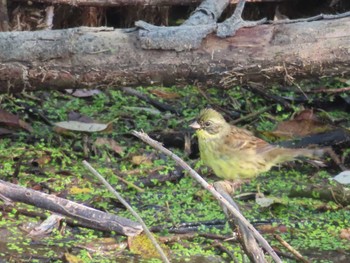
(87, 216)
(104, 57)
(107, 3)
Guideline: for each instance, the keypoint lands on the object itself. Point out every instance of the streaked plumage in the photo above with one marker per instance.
(235, 153)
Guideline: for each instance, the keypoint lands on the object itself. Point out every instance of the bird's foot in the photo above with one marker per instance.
(231, 186)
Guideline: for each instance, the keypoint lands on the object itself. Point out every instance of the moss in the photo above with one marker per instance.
(166, 204)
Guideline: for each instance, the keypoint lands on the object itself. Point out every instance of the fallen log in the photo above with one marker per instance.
(101, 57)
(109, 3)
(86, 216)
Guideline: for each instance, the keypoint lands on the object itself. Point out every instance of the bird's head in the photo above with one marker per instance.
(209, 123)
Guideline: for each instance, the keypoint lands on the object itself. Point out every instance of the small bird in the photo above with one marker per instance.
(236, 154)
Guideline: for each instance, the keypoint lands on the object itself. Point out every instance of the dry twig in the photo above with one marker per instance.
(144, 137)
(291, 249)
(131, 210)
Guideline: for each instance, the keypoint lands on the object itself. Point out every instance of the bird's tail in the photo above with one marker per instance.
(311, 153)
(289, 154)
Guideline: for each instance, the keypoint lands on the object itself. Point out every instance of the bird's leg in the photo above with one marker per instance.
(231, 186)
(229, 27)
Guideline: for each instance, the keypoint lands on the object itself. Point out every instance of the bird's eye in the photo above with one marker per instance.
(207, 124)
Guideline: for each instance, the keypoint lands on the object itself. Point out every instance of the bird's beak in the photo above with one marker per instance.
(195, 125)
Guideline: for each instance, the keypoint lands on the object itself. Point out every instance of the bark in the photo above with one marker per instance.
(4, 18)
(86, 216)
(107, 3)
(101, 57)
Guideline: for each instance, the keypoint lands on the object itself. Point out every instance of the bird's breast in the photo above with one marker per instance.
(229, 162)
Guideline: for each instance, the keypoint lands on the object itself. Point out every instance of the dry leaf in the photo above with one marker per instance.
(62, 131)
(307, 114)
(76, 190)
(41, 161)
(167, 95)
(106, 244)
(110, 143)
(271, 229)
(148, 110)
(143, 246)
(343, 177)
(345, 234)
(299, 128)
(303, 123)
(84, 127)
(13, 121)
(76, 116)
(141, 159)
(70, 258)
(46, 227)
(83, 93)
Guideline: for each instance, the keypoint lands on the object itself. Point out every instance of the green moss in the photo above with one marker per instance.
(166, 204)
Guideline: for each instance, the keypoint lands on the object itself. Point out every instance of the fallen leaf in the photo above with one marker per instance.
(70, 258)
(271, 229)
(106, 244)
(41, 161)
(13, 121)
(345, 234)
(46, 227)
(307, 114)
(84, 127)
(77, 190)
(110, 143)
(141, 159)
(76, 116)
(148, 110)
(83, 93)
(343, 177)
(164, 94)
(344, 80)
(63, 131)
(263, 201)
(299, 128)
(303, 123)
(142, 246)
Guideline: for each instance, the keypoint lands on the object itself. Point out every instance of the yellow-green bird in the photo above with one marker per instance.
(235, 153)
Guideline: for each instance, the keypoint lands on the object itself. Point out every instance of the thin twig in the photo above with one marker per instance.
(257, 89)
(130, 184)
(7, 201)
(310, 19)
(144, 137)
(159, 105)
(331, 91)
(131, 210)
(253, 114)
(220, 246)
(291, 249)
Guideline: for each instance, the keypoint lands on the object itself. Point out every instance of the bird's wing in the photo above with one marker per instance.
(239, 139)
(243, 144)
